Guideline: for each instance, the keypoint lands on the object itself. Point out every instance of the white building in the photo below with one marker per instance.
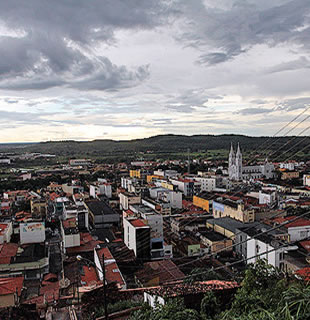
(155, 222)
(267, 197)
(100, 188)
(288, 165)
(126, 199)
(238, 172)
(207, 183)
(137, 237)
(32, 232)
(174, 198)
(306, 180)
(6, 231)
(70, 234)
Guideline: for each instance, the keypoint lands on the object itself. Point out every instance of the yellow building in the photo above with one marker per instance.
(233, 209)
(38, 207)
(152, 177)
(201, 203)
(287, 175)
(135, 174)
(167, 185)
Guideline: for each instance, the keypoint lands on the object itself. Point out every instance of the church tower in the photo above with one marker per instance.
(231, 163)
(235, 164)
(238, 164)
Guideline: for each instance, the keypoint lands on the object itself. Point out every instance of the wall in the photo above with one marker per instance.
(201, 203)
(32, 232)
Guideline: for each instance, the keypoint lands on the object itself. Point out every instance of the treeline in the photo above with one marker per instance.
(170, 143)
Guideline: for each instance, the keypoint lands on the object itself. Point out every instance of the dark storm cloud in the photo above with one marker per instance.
(234, 30)
(55, 40)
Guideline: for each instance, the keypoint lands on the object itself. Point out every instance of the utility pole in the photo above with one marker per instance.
(80, 258)
(188, 164)
(106, 315)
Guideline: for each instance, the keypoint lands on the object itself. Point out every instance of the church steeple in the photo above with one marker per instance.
(231, 149)
(238, 150)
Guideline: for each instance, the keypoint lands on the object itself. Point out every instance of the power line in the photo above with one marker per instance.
(234, 245)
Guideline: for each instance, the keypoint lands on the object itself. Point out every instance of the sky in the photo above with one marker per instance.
(126, 69)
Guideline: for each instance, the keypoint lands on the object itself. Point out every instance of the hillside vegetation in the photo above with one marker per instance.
(167, 144)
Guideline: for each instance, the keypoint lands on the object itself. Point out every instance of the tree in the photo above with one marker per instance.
(173, 310)
(209, 306)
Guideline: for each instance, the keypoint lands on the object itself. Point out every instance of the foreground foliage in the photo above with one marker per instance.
(265, 294)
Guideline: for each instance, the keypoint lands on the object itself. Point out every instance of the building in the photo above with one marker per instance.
(186, 186)
(157, 273)
(104, 258)
(100, 188)
(28, 260)
(264, 246)
(207, 183)
(6, 231)
(237, 171)
(191, 293)
(288, 175)
(10, 291)
(79, 162)
(137, 237)
(38, 207)
(70, 233)
(101, 215)
(297, 228)
(155, 221)
(215, 241)
(306, 180)
(32, 232)
(125, 199)
(174, 198)
(233, 209)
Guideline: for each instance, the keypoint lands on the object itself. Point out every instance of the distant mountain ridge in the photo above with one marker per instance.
(167, 143)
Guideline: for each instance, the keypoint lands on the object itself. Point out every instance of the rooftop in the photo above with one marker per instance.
(11, 285)
(229, 223)
(98, 207)
(178, 289)
(165, 270)
(138, 223)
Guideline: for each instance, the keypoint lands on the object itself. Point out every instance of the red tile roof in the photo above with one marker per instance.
(300, 222)
(165, 270)
(179, 289)
(11, 285)
(138, 223)
(106, 252)
(305, 245)
(90, 277)
(3, 227)
(7, 251)
(69, 223)
(50, 291)
(304, 273)
(113, 274)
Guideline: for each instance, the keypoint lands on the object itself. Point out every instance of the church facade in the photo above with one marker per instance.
(238, 172)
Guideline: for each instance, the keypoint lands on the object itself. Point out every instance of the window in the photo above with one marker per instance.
(303, 234)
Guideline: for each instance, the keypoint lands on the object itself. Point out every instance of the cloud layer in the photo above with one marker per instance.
(129, 69)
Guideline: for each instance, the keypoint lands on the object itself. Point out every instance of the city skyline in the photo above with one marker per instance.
(126, 70)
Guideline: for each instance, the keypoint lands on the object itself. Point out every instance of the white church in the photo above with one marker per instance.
(238, 172)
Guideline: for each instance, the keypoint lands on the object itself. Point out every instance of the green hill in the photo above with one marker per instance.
(169, 144)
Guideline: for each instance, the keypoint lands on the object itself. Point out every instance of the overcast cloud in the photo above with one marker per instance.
(130, 69)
